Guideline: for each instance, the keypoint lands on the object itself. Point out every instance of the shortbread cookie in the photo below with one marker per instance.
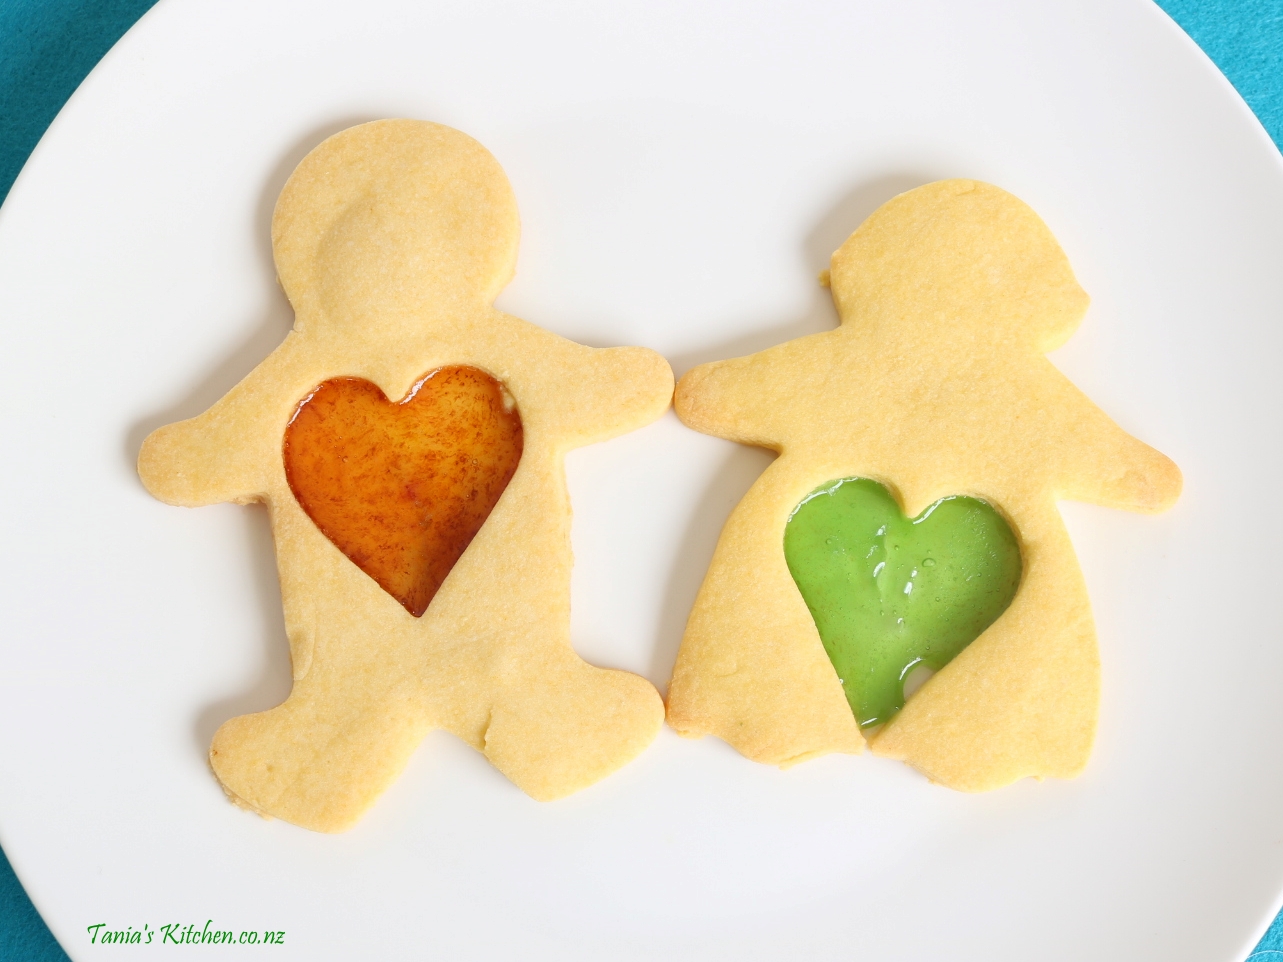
(409, 440)
(934, 386)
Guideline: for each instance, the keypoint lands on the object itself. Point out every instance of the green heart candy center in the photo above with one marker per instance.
(888, 593)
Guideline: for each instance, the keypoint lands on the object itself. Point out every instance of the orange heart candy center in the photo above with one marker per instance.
(403, 487)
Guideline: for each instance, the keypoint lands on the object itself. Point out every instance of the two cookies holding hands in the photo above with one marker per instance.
(423, 542)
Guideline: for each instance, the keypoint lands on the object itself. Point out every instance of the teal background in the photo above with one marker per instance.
(48, 46)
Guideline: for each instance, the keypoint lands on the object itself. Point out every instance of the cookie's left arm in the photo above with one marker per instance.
(617, 390)
(1107, 466)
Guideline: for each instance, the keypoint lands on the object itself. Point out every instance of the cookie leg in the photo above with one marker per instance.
(1039, 690)
(751, 669)
(568, 725)
(317, 760)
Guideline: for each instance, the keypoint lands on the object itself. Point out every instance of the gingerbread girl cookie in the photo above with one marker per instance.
(423, 542)
(933, 397)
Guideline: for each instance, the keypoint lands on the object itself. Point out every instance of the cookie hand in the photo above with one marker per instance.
(624, 388)
(194, 463)
(728, 399)
(1113, 469)
(1129, 475)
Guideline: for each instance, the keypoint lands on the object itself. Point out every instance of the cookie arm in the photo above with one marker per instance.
(582, 394)
(706, 401)
(751, 399)
(212, 458)
(625, 388)
(763, 398)
(1109, 467)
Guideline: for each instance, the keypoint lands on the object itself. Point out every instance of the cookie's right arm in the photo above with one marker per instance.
(753, 399)
(724, 399)
(193, 463)
(220, 455)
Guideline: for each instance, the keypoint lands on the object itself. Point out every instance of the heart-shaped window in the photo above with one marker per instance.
(403, 487)
(889, 593)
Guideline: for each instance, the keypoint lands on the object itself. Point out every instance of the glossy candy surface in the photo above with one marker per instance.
(888, 593)
(403, 487)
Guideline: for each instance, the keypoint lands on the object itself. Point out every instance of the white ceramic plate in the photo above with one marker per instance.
(683, 171)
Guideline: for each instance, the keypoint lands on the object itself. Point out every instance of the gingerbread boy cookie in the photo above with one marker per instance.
(409, 440)
(932, 402)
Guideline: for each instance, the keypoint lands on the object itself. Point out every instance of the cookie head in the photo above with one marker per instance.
(967, 259)
(392, 222)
